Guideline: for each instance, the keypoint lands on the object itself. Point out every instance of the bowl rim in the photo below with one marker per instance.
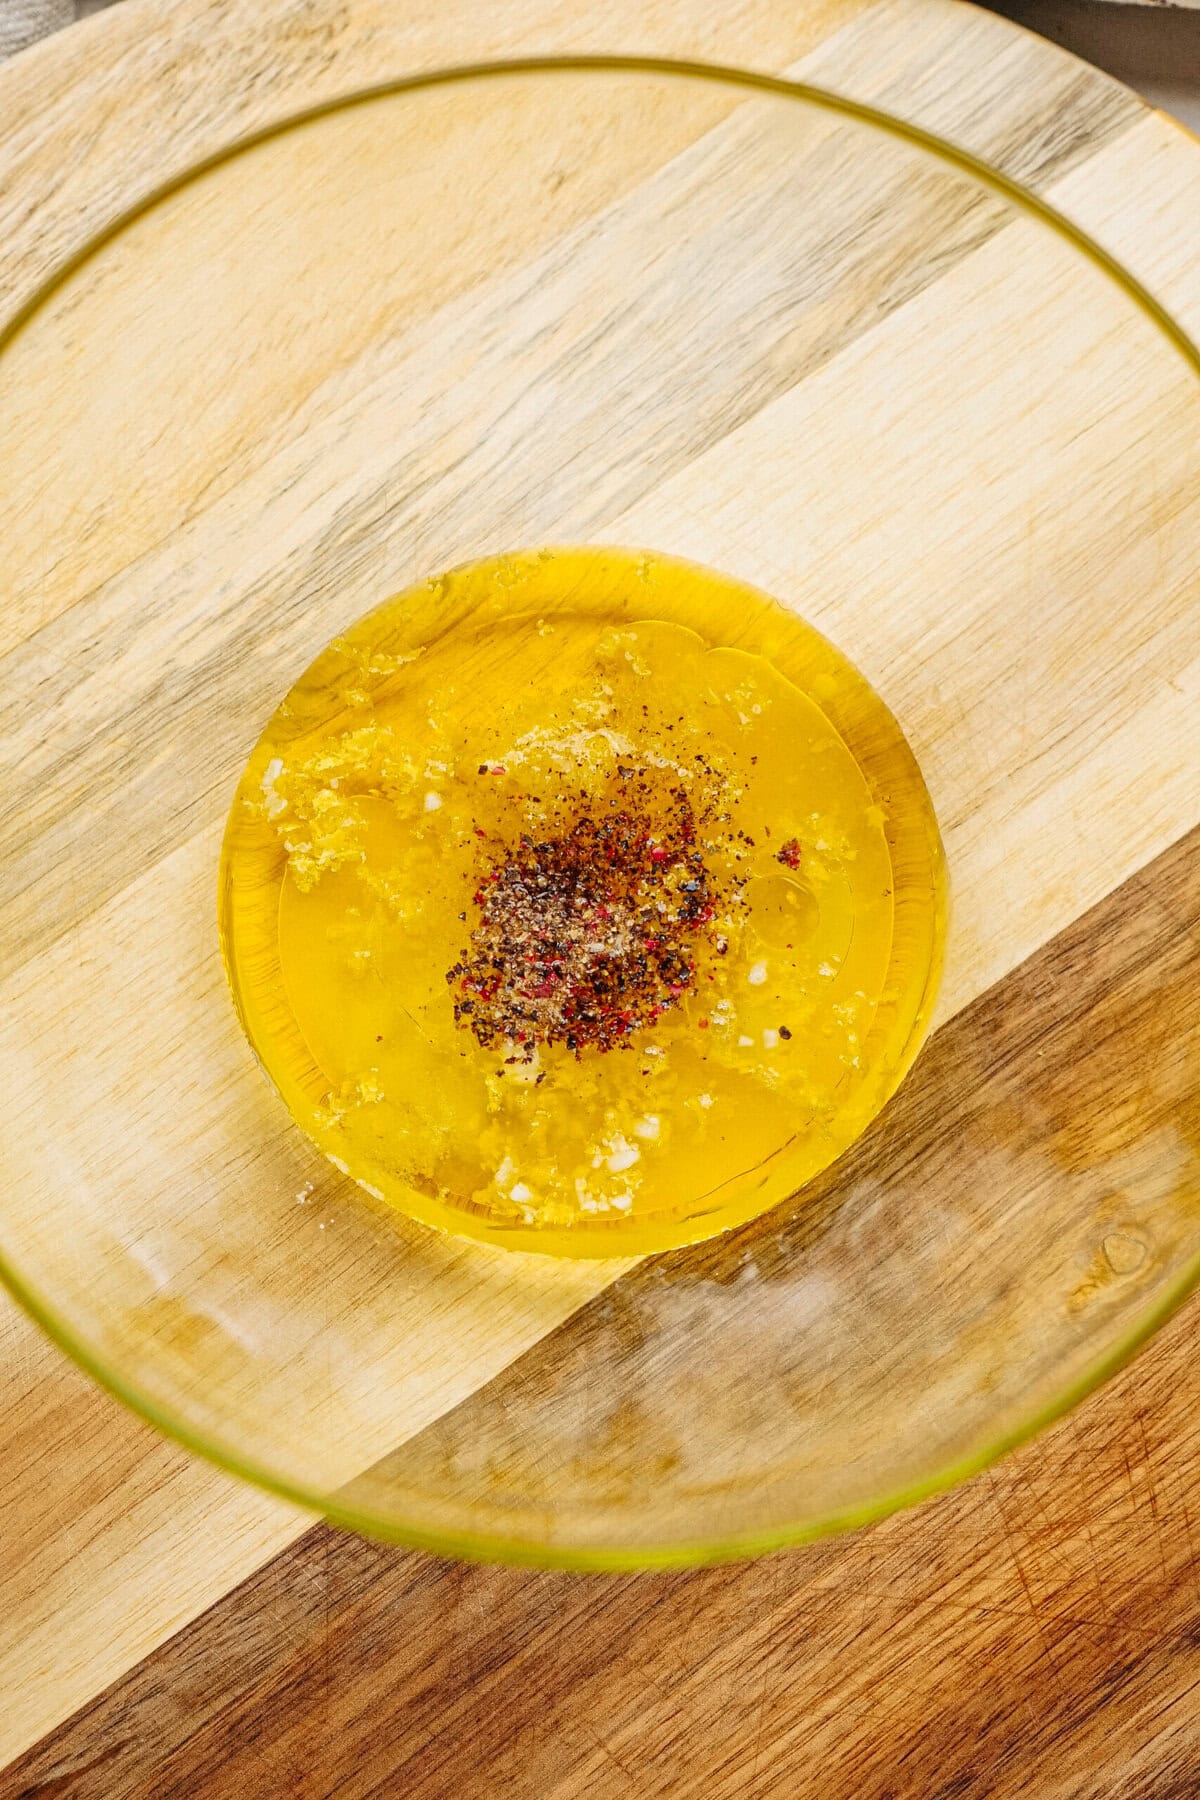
(561, 1553)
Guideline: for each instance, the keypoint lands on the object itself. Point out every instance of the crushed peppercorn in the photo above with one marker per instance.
(593, 930)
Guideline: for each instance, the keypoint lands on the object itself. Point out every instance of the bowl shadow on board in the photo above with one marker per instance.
(618, 1424)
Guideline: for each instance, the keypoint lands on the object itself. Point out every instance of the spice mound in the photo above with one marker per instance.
(589, 933)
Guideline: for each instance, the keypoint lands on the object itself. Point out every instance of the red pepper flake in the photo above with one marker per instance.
(703, 1024)
(789, 854)
(590, 932)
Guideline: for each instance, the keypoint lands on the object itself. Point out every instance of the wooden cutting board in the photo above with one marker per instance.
(164, 1630)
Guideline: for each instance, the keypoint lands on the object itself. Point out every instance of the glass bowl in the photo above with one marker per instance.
(718, 317)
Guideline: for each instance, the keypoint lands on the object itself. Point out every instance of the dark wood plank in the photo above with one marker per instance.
(1038, 1631)
(1035, 1631)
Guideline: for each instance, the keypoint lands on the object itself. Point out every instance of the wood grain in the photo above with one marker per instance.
(1035, 1631)
(136, 1539)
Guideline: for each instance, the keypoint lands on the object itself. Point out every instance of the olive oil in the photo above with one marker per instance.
(583, 901)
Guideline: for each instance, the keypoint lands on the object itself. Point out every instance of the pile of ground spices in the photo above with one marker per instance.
(593, 929)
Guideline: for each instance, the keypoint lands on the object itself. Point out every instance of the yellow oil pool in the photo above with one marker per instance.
(583, 901)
